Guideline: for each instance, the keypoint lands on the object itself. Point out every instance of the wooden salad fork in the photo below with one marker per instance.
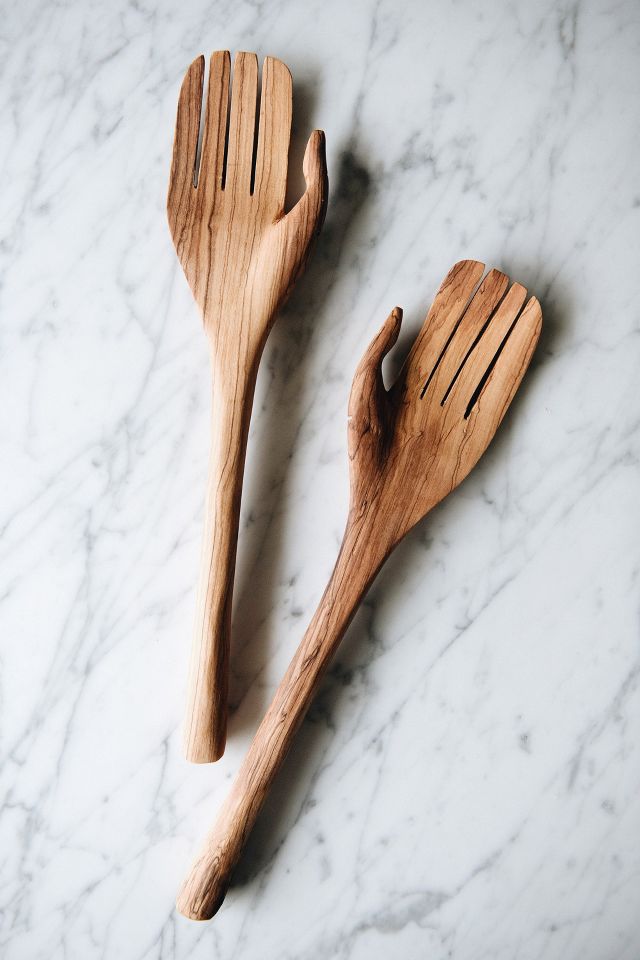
(241, 255)
(409, 447)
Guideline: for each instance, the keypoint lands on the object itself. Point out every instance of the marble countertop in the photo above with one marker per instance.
(466, 784)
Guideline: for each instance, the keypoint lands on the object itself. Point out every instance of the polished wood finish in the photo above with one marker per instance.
(409, 447)
(241, 255)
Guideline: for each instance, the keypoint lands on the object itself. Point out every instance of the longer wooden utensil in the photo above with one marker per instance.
(241, 256)
(408, 447)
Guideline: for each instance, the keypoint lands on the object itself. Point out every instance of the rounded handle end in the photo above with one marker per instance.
(205, 749)
(204, 890)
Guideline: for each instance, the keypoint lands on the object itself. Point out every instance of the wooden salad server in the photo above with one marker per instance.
(241, 255)
(409, 447)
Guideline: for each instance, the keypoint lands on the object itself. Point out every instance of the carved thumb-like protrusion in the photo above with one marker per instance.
(307, 217)
(370, 413)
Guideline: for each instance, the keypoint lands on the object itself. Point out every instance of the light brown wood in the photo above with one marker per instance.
(241, 255)
(408, 447)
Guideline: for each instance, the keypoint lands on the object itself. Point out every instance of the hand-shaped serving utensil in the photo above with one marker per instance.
(241, 255)
(409, 447)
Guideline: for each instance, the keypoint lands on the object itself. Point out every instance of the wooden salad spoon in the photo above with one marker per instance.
(241, 255)
(409, 447)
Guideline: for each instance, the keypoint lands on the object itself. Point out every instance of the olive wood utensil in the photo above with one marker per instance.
(241, 255)
(409, 447)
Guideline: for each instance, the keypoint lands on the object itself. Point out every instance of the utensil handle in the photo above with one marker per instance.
(204, 889)
(205, 728)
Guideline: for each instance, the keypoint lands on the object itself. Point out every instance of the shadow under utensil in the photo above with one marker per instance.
(292, 793)
(278, 412)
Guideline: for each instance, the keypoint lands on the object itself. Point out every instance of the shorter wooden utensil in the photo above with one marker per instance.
(409, 447)
(241, 255)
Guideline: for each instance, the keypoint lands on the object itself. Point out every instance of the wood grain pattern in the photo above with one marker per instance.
(408, 448)
(241, 255)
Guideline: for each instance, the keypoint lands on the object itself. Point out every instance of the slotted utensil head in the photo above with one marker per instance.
(409, 446)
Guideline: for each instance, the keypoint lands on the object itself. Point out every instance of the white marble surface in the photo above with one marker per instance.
(467, 783)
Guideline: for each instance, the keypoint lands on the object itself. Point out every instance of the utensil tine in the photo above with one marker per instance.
(242, 125)
(450, 301)
(504, 376)
(274, 133)
(185, 141)
(215, 124)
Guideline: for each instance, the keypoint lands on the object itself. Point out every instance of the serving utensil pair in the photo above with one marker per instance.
(409, 445)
